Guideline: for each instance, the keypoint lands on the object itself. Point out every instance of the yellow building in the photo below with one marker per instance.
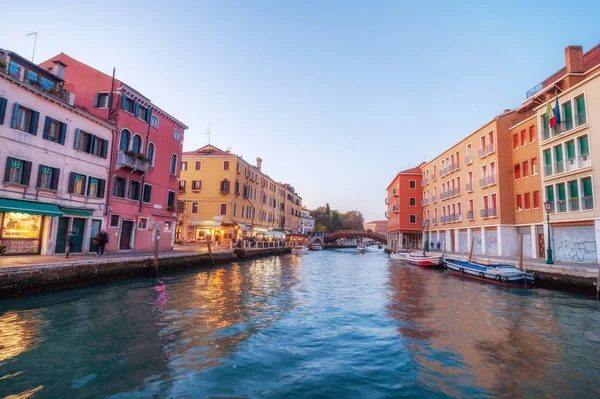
(228, 198)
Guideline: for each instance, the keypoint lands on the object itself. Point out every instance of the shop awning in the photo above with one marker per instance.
(29, 207)
(243, 227)
(206, 223)
(76, 211)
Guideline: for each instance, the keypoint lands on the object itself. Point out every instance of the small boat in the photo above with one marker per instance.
(362, 248)
(420, 259)
(299, 250)
(507, 275)
(316, 247)
(399, 255)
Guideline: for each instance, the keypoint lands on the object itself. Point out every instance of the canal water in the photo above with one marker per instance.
(328, 324)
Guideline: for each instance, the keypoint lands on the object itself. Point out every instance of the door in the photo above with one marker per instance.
(126, 230)
(541, 245)
(78, 231)
(61, 235)
(96, 225)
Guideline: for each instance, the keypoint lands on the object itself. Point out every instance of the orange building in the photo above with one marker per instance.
(404, 210)
(377, 226)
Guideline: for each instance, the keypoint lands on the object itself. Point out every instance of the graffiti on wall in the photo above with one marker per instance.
(492, 243)
(576, 251)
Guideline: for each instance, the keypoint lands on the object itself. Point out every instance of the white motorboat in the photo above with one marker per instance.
(362, 248)
(316, 247)
(299, 250)
(427, 260)
(399, 255)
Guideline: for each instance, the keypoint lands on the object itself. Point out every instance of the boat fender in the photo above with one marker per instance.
(498, 278)
(461, 270)
(505, 279)
(481, 274)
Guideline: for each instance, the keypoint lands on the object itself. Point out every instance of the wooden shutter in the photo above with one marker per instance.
(147, 193)
(101, 188)
(54, 181)
(124, 102)
(90, 142)
(26, 173)
(97, 100)
(77, 138)
(72, 182)
(15, 121)
(46, 127)
(148, 115)
(3, 102)
(33, 126)
(7, 170)
(137, 110)
(62, 134)
(587, 187)
(39, 177)
(104, 152)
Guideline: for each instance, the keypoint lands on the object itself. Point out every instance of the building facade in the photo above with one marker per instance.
(308, 222)
(227, 198)
(377, 226)
(55, 161)
(145, 157)
(404, 210)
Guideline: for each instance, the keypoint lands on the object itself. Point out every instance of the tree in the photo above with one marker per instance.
(330, 220)
(352, 220)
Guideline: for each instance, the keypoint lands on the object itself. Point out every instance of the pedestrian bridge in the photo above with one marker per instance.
(329, 237)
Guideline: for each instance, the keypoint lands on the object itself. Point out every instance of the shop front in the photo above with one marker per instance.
(202, 230)
(23, 224)
(74, 221)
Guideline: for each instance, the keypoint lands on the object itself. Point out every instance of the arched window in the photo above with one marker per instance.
(136, 145)
(224, 186)
(124, 141)
(150, 153)
(174, 164)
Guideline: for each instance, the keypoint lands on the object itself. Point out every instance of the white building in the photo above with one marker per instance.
(54, 160)
(308, 222)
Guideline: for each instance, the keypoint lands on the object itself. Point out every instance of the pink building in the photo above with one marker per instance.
(146, 154)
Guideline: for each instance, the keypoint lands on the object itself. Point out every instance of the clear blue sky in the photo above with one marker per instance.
(335, 96)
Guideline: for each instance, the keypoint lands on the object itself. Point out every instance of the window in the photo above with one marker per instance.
(182, 186)
(194, 207)
(143, 223)
(77, 183)
(54, 130)
(120, 184)
(536, 199)
(196, 185)
(173, 168)
(141, 112)
(523, 138)
(517, 171)
(527, 201)
(150, 154)
(526, 169)
(412, 201)
(90, 144)
(177, 135)
(17, 171)
(114, 221)
(198, 165)
(223, 211)
(183, 165)
(531, 134)
(588, 193)
(154, 121)
(562, 198)
(580, 118)
(225, 165)
(168, 226)
(225, 186)
(519, 202)
(147, 194)
(558, 159)
(96, 187)
(25, 119)
(124, 140)
(101, 100)
(32, 77)
(412, 184)
(547, 162)
(567, 111)
(171, 200)
(134, 190)
(412, 219)
(47, 177)
(136, 144)
(534, 166)
(515, 141)
(584, 147)
(127, 104)
(573, 195)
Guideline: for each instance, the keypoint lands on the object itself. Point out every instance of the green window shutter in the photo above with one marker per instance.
(26, 173)
(546, 124)
(581, 109)
(77, 138)
(124, 102)
(15, 121)
(561, 192)
(46, 127)
(568, 111)
(33, 126)
(571, 150)
(62, 134)
(573, 189)
(550, 193)
(547, 157)
(39, 177)
(587, 187)
(584, 145)
(54, 181)
(558, 154)
(3, 103)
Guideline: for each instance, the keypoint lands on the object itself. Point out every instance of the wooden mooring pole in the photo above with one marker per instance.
(471, 249)
(210, 251)
(156, 246)
(520, 251)
(598, 284)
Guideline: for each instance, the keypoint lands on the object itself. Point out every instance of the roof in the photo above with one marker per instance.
(412, 171)
(31, 65)
(209, 150)
(377, 222)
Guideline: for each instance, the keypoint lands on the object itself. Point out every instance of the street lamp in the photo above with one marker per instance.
(547, 207)
(426, 246)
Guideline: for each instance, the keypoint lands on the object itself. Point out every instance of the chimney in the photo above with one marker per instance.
(574, 59)
(259, 163)
(58, 69)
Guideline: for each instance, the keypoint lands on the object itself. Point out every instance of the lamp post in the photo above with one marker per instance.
(547, 207)
(426, 246)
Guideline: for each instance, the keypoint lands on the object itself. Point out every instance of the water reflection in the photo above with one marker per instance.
(19, 332)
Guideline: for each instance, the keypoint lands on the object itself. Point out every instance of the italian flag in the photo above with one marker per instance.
(550, 115)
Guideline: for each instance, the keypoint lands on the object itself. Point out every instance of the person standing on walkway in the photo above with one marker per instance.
(101, 240)
(439, 245)
(104, 241)
(70, 242)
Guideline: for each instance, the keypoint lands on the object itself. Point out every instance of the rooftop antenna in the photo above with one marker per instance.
(208, 133)
(34, 43)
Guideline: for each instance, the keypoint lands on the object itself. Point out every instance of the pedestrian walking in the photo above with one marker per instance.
(70, 242)
(431, 247)
(439, 245)
(101, 241)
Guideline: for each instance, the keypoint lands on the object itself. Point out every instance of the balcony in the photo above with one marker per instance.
(424, 223)
(468, 159)
(387, 215)
(434, 221)
(580, 119)
(571, 163)
(424, 181)
(489, 212)
(559, 167)
(487, 181)
(453, 167)
(587, 203)
(126, 160)
(425, 202)
(470, 215)
(584, 161)
(395, 192)
(548, 170)
(433, 199)
(488, 149)
(395, 209)
(469, 187)
(387, 200)
(433, 177)
(54, 90)
(574, 204)
(561, 206)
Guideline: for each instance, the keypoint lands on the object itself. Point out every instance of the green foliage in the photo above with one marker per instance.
(327, 220)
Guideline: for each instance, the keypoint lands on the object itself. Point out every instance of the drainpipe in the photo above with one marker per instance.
(146, 154)
(112, 147)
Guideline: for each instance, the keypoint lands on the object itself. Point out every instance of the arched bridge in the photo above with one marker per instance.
(329, 237)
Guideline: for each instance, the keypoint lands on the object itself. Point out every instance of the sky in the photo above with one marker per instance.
(335, 96)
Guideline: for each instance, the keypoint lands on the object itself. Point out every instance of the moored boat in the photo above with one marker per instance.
(420, 259)
(316, 247)
(299, 250)
(361, 248)
(507, 275)
(399, 255)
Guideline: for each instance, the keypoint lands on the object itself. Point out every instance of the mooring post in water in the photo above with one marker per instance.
(210, 251)
(521, 252)
(598, 284)
(471, 249)
(156, 246)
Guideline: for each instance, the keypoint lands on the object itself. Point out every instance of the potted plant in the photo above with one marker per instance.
(130, 153)
(2, 65)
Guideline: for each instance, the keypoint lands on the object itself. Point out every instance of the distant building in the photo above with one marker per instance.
(404, 210)
(377, 226)
(308, 221)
